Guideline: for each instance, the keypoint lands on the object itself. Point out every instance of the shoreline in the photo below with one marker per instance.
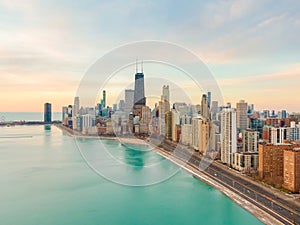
(122, 140)
(246, 205)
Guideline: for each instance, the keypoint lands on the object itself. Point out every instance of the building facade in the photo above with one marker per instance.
(242, 115)
(47, 113)
(291, 170)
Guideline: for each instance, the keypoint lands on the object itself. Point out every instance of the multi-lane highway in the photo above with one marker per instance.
(276, 206)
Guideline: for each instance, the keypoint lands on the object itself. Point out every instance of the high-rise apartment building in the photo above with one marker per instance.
(47, 113)
(294, 131)
(291, 170)
(204, 107)
(175, 122)
(279, 135)
(228, 135)
(164, 106)
(76, 106)
(200, 134)
(242, 115)
(186, 134)
(209, 99)
(270, 166)
(250, 140)
(168, 122)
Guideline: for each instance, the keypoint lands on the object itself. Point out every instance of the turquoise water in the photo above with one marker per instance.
(27, 116)
(44, 180)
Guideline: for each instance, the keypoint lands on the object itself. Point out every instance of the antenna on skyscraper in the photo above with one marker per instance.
(142, 66)
(136, 65)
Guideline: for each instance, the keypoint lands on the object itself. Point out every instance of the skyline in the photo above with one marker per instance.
(244, 44)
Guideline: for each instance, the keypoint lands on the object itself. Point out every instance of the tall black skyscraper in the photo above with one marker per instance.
(47, 113)
(139, 93)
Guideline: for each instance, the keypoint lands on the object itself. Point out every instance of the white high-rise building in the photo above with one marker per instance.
(87, 121)
(129, 98)
(242, 115)
(200, 134)
(279, 134)
(294, 131)
(164, 106)
(228, 135)
(76, 106)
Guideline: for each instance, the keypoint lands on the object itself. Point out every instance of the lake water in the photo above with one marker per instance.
(27, 116)
(45, 180)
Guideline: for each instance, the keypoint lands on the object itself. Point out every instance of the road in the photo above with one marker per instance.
(276, 206)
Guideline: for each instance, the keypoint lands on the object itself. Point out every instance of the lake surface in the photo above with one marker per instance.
(45, 180)
(27, 116)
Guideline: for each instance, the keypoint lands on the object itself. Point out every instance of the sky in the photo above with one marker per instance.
(252, 48)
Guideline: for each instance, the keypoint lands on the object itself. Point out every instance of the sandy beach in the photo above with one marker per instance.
(123, 140)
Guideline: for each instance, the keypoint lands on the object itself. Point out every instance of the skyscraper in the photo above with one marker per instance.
(209, 99)
(228, 135)
(204, 107)
(76, 106)
(242, 115)
(47, 113)
(139, 93)
(103, 101)
(129, 98)
(164, 106)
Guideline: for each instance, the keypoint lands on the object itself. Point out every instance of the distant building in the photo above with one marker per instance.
(122, 107)
(294, 131)
(242, 115)
(279, 135)
(257, 124)
(283, 114)
(47, 113)
(272, 121)
(168, 122)
(291, 170)
(129, 100)
(76, 106)
(250, 140)
(209, 99)
(175, 122)
(200, 134)
(214, 110)
(114, 108)
(204, 107)
(103, 101)
(139, 92)
(163, 107)
(64, 114)
(228, 135)
(186, 134)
